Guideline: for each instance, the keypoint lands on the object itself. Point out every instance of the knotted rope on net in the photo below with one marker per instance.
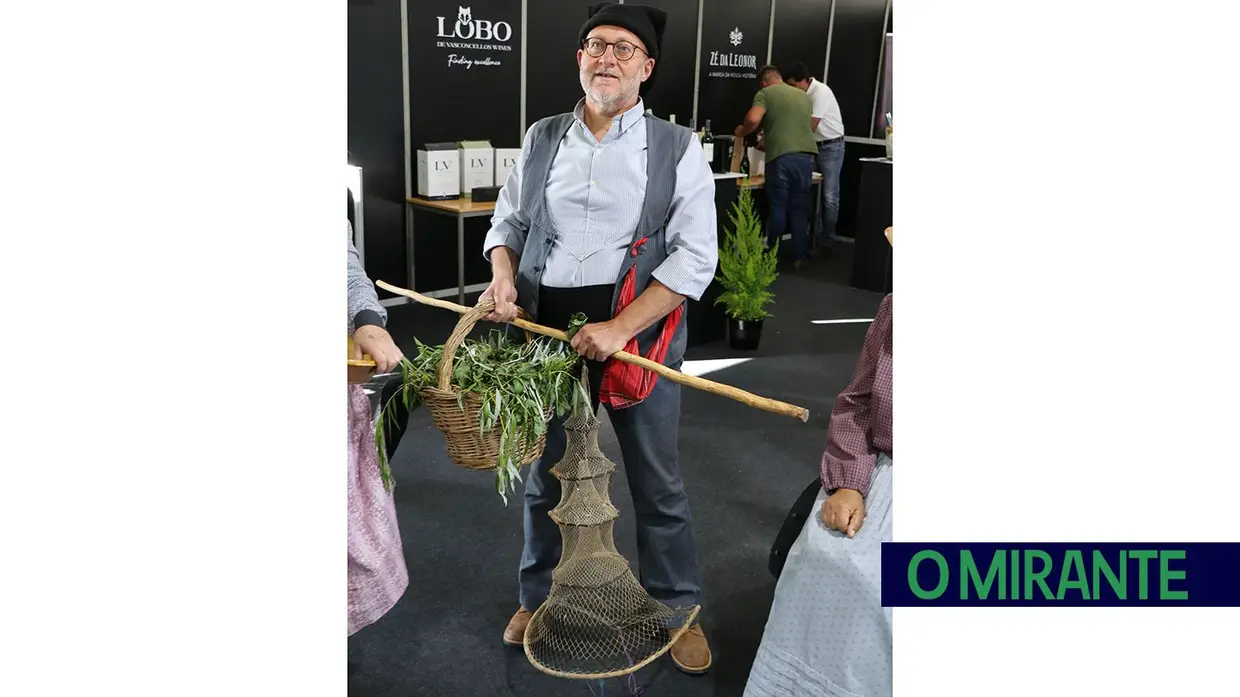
(597, 622)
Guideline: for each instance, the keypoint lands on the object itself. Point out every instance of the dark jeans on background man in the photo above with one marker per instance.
(829, 163)
(788, 181)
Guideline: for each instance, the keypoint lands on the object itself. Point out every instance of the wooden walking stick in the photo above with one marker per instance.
(676, 376)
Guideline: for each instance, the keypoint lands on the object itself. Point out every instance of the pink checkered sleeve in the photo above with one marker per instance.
(861, 420)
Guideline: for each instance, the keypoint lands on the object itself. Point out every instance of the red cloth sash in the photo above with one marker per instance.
(624, 384)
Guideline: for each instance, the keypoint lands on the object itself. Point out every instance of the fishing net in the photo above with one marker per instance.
(597, 622)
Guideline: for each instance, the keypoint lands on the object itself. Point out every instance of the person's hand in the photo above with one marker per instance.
(600, 340)
(844, 511)
(375, 342)
(740, 131)
(503, 292)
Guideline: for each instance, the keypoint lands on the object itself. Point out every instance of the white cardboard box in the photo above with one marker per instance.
(439, 166)
(757, 162)
(477, 165)
(505, 161)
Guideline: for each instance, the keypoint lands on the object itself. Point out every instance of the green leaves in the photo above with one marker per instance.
(746, 269)
(577, 322)
(385, 471)
(516, 383)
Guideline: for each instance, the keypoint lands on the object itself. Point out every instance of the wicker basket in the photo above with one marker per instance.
(467, 446)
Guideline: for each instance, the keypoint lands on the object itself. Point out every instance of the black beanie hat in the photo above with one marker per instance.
(647, 23)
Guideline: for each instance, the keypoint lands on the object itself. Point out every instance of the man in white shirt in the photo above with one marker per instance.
(828, 128)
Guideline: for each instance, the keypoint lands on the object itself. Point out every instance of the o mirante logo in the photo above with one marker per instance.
(1024, 574)
(1066, 574)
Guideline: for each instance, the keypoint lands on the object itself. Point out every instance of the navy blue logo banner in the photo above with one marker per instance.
(1197, 574)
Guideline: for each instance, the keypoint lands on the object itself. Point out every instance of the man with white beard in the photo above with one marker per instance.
(611, 213)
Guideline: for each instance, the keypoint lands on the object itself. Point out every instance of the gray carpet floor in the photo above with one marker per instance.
(743, 468)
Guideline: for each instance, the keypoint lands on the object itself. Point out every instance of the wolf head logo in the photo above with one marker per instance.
(464, 15)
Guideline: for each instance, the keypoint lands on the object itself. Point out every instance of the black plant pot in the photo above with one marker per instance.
(744, 334)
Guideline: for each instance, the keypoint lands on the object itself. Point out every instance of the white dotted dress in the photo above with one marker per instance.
(827, 634)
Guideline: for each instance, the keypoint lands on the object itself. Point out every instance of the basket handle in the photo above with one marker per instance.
(466, 325)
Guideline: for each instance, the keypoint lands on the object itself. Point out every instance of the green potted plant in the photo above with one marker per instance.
(746, 271)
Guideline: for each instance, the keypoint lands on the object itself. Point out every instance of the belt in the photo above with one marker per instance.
(829, 142)
(557, 305)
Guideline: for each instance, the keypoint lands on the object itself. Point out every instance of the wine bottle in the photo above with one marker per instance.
(708, 146)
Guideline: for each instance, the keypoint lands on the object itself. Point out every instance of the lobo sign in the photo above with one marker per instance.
(466, 28)
(468, 34)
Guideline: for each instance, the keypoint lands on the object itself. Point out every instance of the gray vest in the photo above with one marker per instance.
(665, 143)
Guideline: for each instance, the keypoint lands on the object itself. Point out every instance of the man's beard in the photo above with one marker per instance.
(609, 103)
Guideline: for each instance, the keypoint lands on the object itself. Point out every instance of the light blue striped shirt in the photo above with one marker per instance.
(594, 196)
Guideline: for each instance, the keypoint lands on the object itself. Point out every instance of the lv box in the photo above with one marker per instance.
(505, 160)
(477, 167)
(439, 171)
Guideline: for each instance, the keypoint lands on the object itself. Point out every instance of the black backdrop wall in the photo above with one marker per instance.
(465, 71)
(802, 28)
(477, 93)
(672, 91)
(734, 47)
(857, 38)
(377, 131)
(552, 86)
(852, 74)
(464, 84)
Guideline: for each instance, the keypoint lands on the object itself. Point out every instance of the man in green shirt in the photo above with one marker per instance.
(785, 115)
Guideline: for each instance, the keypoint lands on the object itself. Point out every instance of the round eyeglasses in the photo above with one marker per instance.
(622, 50)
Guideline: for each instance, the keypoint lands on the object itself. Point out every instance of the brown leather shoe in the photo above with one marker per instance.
(691, 652)
(514, 633)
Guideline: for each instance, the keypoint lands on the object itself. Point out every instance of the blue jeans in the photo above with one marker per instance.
(788, 181)
(830, 162)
